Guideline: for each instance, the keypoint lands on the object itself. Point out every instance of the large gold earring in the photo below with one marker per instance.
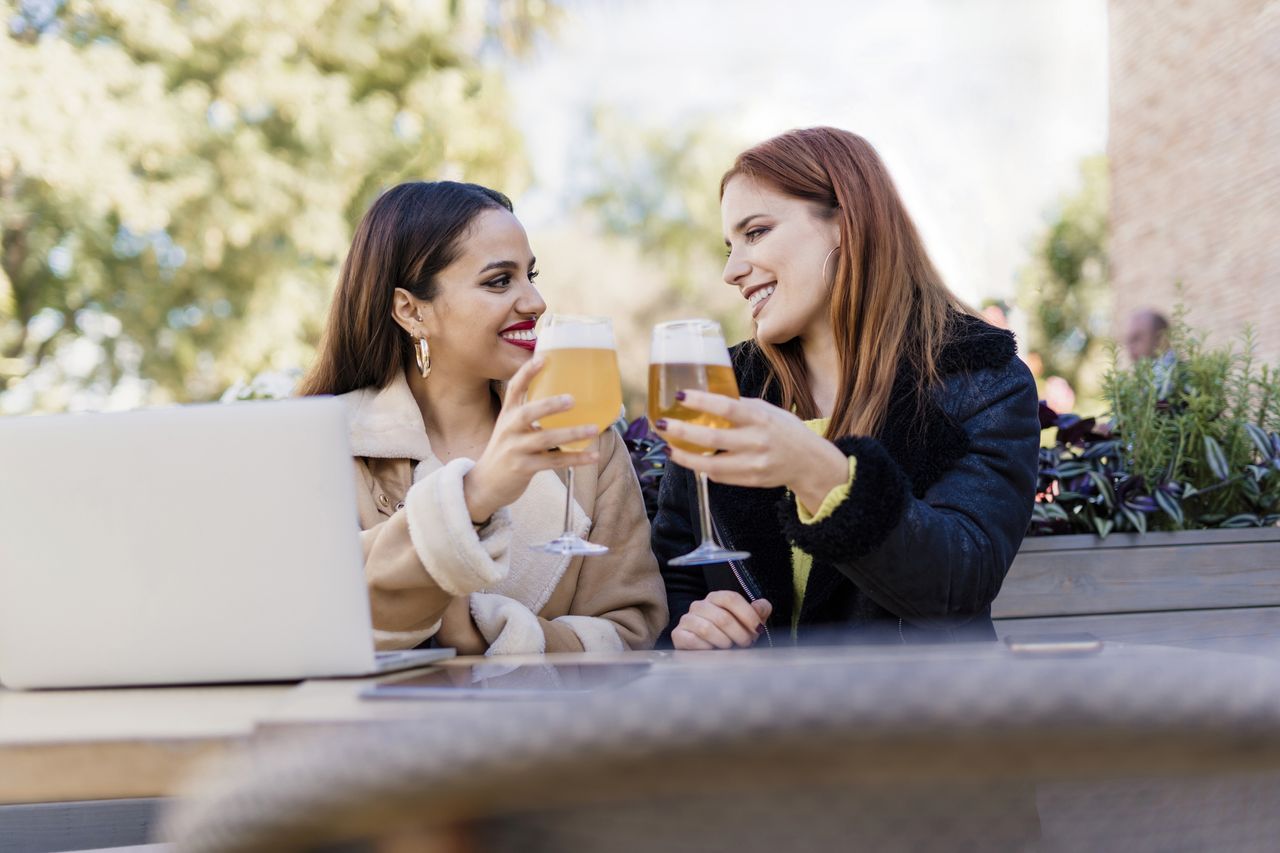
(422, 353)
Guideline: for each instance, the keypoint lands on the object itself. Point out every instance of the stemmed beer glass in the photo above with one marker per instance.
(581, 360)
(691, 355)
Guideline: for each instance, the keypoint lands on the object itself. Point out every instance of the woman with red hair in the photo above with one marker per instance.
(881, 464)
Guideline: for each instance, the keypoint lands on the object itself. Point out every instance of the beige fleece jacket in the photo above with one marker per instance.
(430, 573)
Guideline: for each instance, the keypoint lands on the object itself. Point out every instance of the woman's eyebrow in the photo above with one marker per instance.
(743, 224)
(500, 265)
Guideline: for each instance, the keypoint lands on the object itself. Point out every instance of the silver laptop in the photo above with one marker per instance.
(195, 544)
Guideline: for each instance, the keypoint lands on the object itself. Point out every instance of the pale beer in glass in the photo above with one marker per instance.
(580, 360)
(669, 377)
(690, 355)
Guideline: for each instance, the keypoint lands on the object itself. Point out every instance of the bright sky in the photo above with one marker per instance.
(981, 108)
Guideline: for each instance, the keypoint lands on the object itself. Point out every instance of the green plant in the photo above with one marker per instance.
(1193, 443)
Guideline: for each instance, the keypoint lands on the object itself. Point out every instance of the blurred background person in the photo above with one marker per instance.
(996, 312)
(1059, 395)
(1146, 335)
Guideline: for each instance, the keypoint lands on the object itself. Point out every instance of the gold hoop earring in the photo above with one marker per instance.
(422, 354)
(826, 261)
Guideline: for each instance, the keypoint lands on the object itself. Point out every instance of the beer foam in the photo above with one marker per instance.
(694, 349)
(576, 336)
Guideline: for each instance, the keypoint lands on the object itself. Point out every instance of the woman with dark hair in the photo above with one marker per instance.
(883, 471)
(434, 313)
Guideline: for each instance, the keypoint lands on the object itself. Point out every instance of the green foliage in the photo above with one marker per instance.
(646, 246)
(1194, 442)
(1203, 420)
(1065, 290)
(178, 182)
(661, 187)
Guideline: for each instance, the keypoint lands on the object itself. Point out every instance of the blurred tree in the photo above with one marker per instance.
(650, 202)
(1065, 291)
(660, 188)
(178, 181)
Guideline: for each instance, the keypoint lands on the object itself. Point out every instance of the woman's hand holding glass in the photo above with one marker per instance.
(764, 447)
(518, 449)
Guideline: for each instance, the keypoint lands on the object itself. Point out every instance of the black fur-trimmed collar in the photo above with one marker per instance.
(973, 344)
(918, 435)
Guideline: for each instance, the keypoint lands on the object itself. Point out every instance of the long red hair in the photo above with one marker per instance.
(889, 306)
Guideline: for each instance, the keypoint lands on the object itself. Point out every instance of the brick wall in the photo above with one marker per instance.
(1194, 147)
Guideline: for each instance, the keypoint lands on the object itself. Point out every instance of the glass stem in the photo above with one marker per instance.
(568, 504)
(704, 510)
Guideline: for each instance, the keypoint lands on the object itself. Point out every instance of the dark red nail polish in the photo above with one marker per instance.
(660, 424)
(679, 396)
(760, 628)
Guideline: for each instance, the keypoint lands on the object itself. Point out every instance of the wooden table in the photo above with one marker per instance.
(76, 745)
(99, 744)
(89, 768)
(82, 768)
(122, 745)
(1133, 742)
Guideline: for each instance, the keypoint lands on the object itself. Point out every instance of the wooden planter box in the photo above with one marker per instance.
(1198, 588)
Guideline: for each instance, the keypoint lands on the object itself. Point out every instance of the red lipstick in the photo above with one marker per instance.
(522, 326)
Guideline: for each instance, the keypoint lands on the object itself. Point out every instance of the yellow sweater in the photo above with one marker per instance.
(801, 562)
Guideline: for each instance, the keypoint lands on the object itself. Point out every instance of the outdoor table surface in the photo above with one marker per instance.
(70, 745)
(112, 743)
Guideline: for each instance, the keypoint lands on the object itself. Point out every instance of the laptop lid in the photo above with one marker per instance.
(180, 545)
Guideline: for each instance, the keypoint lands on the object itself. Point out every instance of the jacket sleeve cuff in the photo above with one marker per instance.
(385, 641)
(507, 626)
(834, 498)
(458, 558)
(863, 520)
(595, 633)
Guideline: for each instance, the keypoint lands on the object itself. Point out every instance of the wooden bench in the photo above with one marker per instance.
(1207, 589)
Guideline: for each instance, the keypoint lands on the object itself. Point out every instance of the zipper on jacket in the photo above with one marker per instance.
(901, 636)
(738, 574)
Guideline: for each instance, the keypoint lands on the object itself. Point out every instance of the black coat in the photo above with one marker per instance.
(917, 552)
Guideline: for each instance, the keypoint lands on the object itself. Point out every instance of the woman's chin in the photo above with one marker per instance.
(770, 333)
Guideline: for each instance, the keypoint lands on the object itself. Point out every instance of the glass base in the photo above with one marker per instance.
(707, 553)
(570, 544)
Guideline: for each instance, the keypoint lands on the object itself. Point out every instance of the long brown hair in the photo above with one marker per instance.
(888, 303)
(405, 239)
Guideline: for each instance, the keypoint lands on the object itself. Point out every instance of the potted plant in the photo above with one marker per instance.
(1172, 505)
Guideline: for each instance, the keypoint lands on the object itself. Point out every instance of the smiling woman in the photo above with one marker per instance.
(881, 466)
(430, 340)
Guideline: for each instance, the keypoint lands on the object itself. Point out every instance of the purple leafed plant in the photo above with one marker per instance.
(1085, 486)
(649, 458)
(1192, 443)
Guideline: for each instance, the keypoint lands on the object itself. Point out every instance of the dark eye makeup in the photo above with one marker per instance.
(504, 280)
